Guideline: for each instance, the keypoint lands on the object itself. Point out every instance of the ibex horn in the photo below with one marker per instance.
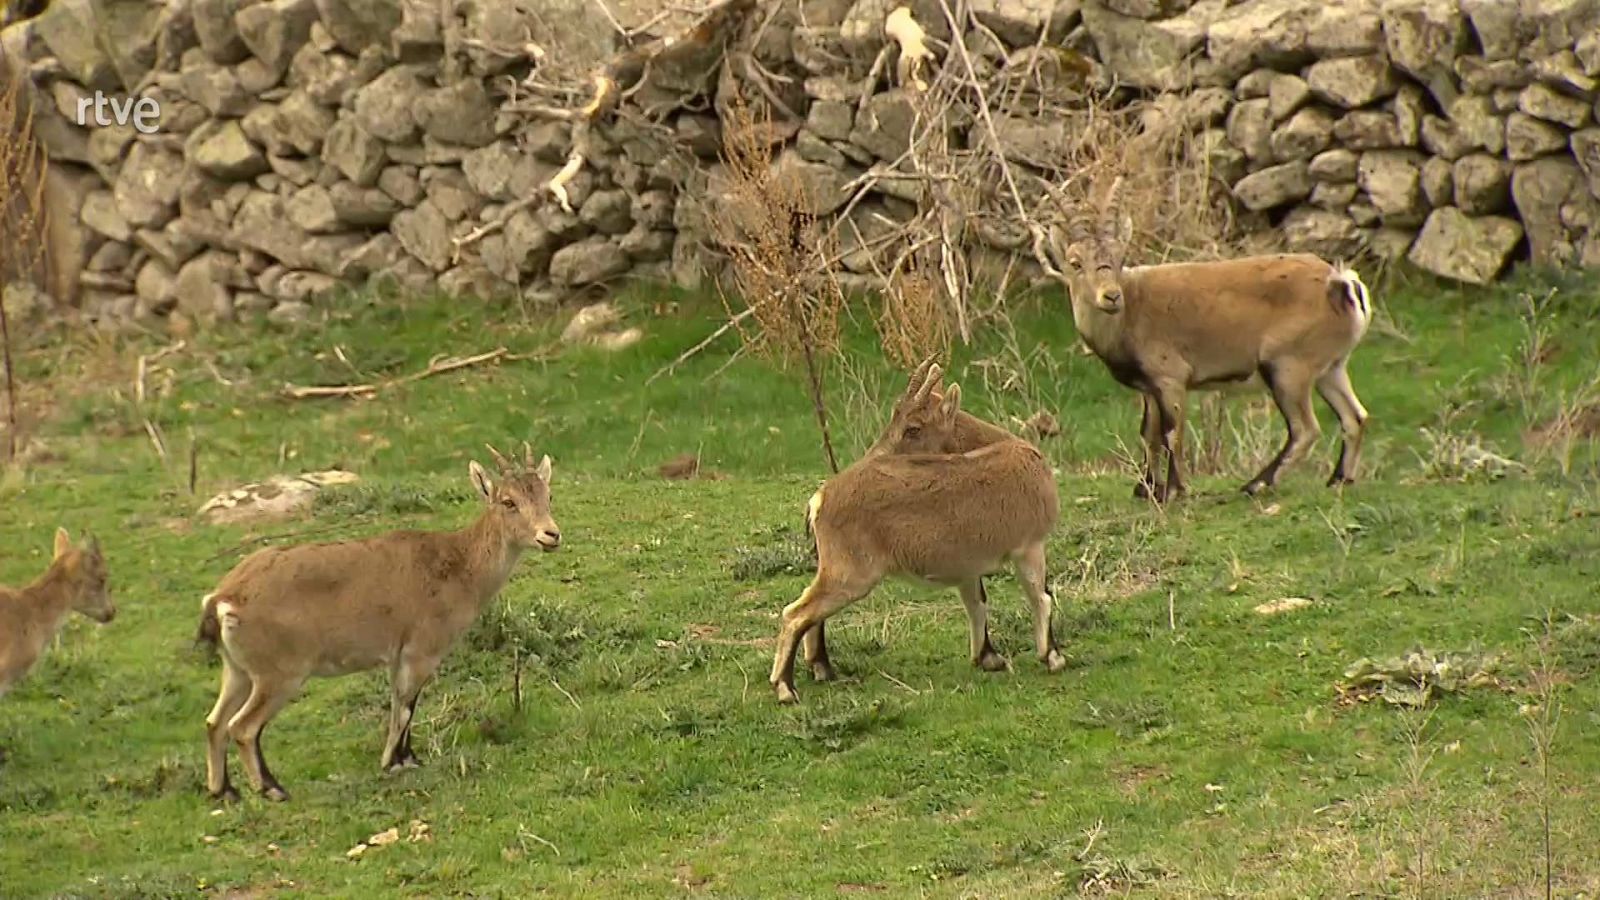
(499, 460)
(527, 456)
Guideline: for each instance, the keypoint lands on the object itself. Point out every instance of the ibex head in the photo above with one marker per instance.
(924, 419)
(1093, 248)
(85, 568)
(520, 499)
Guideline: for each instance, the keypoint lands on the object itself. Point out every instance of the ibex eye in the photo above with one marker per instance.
(913, 431)
(509, 503)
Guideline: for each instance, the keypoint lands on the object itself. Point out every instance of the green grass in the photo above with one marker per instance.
(1193, 748)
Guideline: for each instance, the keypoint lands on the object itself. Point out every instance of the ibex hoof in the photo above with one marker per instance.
(1141, 490)
(1338, 480)
(822, 671)
(1254, 487)
(993, 662)
(786, 694)
(226, 795)
(1054, 662)
(275, 793)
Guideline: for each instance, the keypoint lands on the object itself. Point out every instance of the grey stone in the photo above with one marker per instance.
(589, 261)
(383, 107)
(831, 121)
(1423, 38)
(1368, 129)
(1307, 133)
(1274, 186)
(1438, 182)
(1529, 138)
(225, 153)
(1249, 128)
(1333, 197)
(325, 77)
(311, 210)
(275, 29)
(354, 153)
(1351, 82)
(215, 29)
(608, 212)
(146, 191)
(1392, 180)
(357, 24)
(100, 215)
(1287, 94)
(1477, 123)
(1148, 54)
(1481, 76)
(1539, 190)
(201, 287)
(425, 233)
(1482, 184)
(884, 126)
(1463, 248)
(1336, 165)
(1586, 152)
(154, 287)
(401, 183)
(460, 114)
(1310, 230)
(1545, 102)
(217, 89)
(1440, 137)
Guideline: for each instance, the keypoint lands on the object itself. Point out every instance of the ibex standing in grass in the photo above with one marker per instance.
(31, 616)
(916, 426)
(1291, 320)
(400, 600)
(909, 508)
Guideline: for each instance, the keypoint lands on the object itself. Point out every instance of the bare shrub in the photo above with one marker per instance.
(23, 167)
(786, 302)
(913, 324)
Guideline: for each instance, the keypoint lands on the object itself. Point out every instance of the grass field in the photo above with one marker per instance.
(1193, 748)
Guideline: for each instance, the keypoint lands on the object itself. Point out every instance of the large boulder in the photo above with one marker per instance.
(1423, 38)
(588, 261)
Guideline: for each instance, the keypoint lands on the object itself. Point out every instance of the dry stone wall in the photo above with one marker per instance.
(303, 144)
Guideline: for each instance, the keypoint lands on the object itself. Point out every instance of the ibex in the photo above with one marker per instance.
(1289, 320)
(914, 427)
(949, 518)
(401, 599)
(31, 616)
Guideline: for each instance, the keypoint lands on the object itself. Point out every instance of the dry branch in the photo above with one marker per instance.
(436, 366)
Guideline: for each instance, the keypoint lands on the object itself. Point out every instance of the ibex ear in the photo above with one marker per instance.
(94, 545)
(480, 479)
(951, 404)
(63, 543)
(544, 469)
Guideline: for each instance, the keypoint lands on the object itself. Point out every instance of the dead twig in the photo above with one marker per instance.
(685, 356)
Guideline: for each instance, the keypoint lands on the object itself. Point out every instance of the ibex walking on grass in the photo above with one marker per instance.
(1291, 320)
(31, 616)
(928, 514)
(401, 599)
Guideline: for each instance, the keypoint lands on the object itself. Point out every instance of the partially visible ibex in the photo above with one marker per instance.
(948, 518)
(1291, 320)
(401, 599)
(31, 616)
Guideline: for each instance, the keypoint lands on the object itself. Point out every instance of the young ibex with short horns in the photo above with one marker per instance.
(31, 616)
(916, 426)
(912, 508)
(401, 599)
(1289, 320)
